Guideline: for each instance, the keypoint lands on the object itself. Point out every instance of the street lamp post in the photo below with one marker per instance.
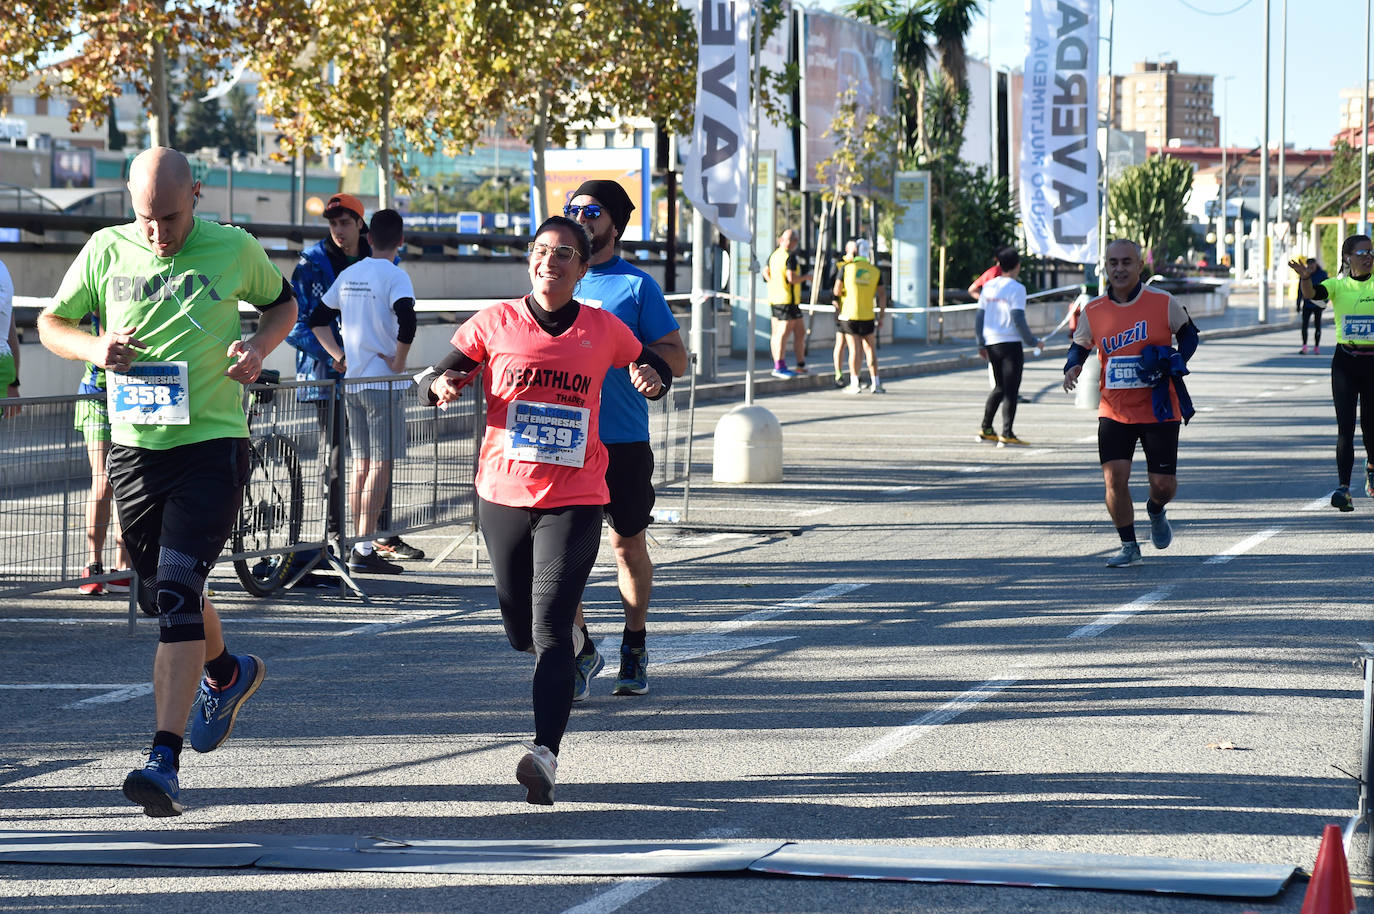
(1262, 236)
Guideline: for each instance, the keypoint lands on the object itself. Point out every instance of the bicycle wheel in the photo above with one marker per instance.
(270, 518)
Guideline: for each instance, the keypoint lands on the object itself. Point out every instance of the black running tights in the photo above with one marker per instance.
(1008, 361)
(541, 559)
(1309, 313)
(1352, 385)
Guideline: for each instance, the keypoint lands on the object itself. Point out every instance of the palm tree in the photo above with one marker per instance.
(950, 25)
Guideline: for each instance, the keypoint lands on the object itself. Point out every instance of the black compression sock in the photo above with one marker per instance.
(1127, 533)
(1153, 508)
(221, 670)
(170, 741)
(633, 639)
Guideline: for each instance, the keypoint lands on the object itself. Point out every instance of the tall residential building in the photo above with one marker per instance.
(1169, 107)
(1352, 101)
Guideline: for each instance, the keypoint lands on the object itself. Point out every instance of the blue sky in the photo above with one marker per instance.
(1325, 54)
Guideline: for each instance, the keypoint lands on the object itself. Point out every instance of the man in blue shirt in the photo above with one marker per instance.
(603, 209)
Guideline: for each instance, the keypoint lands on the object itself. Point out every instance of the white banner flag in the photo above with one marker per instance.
(717, 177)
(1059, 198)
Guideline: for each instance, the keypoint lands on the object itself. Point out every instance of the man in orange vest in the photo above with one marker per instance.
(1125, 325)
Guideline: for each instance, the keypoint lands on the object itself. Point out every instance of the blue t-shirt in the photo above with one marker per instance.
(631, 295)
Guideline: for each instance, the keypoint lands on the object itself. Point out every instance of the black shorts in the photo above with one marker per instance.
(185, 498)
(630, 479)
(786, 312)
(1159, 440)
(857, 328)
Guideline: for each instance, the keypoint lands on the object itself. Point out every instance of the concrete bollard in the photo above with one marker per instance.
(748, 446)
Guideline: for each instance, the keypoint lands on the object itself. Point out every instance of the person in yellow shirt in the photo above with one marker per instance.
(862, 301)
(785, 278)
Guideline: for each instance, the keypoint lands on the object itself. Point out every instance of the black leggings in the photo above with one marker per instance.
(1314, 314)
(1352, 384)
(541, 559)
(1007, 361)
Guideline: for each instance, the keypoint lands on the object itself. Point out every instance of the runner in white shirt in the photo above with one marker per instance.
(376, 303)
(1001, 328)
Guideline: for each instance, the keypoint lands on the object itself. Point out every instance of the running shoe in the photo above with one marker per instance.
(1302, 351)
(396, 548)
(1011, 441)
(839, 381)
(987, 434)
(1161, 534)
(536, 773)
(585, 667)
(372, 563)
(1369, 480)
(1341, 499)
(853, 387)
(1316, 350)
(783, 373)
(634, 676)
(1129, 554)
(154, 786)
(800, 369)
(878, 387)
(93, 588)
(120, 584)
(215, 710)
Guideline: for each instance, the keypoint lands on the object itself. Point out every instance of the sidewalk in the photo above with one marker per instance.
(908, 358)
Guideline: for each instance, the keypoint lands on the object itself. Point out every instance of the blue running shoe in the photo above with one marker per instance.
(154, 786)
(585, 666)
(1341, 500)
(1129, 554)
(633, 678)
(1161, 533)
(214, 712)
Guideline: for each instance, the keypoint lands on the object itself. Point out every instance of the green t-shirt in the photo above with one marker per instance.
(184, 307)
(1352, 307)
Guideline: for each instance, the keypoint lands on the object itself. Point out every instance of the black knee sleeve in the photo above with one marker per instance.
(180, 584)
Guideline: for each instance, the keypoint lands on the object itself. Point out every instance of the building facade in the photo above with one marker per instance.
(1169, 107)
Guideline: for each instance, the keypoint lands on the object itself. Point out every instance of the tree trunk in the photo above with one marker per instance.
(384, 193)
(539, 206)
(159, 114)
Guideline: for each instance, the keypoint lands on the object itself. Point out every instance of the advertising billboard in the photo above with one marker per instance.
(839, 54)
(566, 169)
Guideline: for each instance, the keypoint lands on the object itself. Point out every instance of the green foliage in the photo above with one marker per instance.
(976, 218)
(240, 123)
(1147, 206)
(1337, 186)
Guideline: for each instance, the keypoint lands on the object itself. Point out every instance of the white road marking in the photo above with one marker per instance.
(907, 734)
(1323, 502)
(66, 686)
(1120, 614)
(127, 693)
(1242, 547)
(630, 888)
(895, 490)
(812, 512)
(1086, 439)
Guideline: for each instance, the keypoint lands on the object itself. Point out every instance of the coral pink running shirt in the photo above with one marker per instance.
(541, 448)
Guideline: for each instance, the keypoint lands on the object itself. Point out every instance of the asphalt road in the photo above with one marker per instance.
(911, 640)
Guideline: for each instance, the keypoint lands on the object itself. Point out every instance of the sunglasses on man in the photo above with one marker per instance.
(590, 210)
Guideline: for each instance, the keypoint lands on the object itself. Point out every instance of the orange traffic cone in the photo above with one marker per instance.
(1329, 890)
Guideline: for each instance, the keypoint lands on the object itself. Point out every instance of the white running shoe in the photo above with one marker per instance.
(536, 772)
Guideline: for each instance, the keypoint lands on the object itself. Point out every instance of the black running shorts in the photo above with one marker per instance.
(857, 328)
(1159, 440)
(786, 312)
(630, 479)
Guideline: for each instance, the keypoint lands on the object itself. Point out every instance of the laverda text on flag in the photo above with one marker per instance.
(717, 179)
(1059, 130)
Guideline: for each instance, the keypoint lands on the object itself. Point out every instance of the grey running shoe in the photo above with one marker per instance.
(634, 676)
(1129, 554)
(536, 773)
(585, 666)
(1161, 534)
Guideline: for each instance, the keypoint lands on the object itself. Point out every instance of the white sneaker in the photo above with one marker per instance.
(853, 387)
(536, 772)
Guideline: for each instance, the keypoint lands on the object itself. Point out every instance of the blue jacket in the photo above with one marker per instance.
(1162, 367)
(313, 276)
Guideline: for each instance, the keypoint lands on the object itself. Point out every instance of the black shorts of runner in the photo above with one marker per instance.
(1117, 440)
(185, 498)
(858, 328)
(786, 312)
(630, 479)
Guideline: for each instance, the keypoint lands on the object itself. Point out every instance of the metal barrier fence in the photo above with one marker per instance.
(46, 483)
(49, 460)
